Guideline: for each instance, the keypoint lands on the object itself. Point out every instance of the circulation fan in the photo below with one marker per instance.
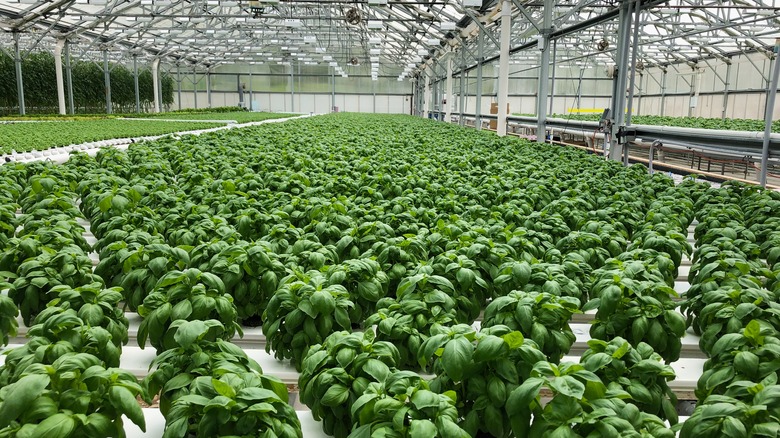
(602, 45)
(354, 61)
(353, 17)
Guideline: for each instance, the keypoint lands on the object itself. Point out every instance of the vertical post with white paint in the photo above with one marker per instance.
(768, 113)
(58, 74)
(208, 86)
(480, 60)
(503, 66)
(19, 79)
(178, 83)
(69, 78)
(107, 80)
(448, 91)
(426, 95)
(156, 84)
(544, 67)
(135, 84)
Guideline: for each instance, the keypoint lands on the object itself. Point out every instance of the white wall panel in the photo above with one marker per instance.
(351, 103)
(740, 105)
(321, 103)
(365, 103)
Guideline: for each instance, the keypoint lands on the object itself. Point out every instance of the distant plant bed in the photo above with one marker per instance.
(57, 117)
(685, 122)
(216, 109)
(25, 137)
(237, 114)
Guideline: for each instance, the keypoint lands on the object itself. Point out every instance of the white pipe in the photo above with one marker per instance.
(58, 72)
(156, 84)
(448, 107)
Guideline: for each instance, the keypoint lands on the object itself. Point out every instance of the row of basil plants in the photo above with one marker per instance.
(8, 207)
(414, 252)
(433, 279)
(64, 381)
(734, 303)
(490, 381)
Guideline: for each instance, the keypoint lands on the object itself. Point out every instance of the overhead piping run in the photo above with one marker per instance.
(609, 15)
(65, 29)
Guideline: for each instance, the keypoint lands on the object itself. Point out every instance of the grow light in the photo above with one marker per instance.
(374, 24)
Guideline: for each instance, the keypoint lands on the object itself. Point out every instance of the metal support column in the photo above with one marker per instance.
(695, 86)
(432, 94)
(480, 60)
(544, 68)
(156, 84)
(19, 80)
(619, 88)
(208, 86)
(413, 106)
(333, 89)
(634, 50)
(448, 92)
(768, 113)
(440, 98)
(135, 84)
(663, 93)
(421, 96)
(178, 82)
(69, 78)
(160, 93)
(292, 89)
(552, 75)
(240, 91)
(58, 74)
(726, 86)
(107, 80)
(503, 66)
(641, 93)
(427, 95)
(251, 94)
(195, 87)
(462, 89)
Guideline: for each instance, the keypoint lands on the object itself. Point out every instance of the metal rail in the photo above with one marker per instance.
(740, 143)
